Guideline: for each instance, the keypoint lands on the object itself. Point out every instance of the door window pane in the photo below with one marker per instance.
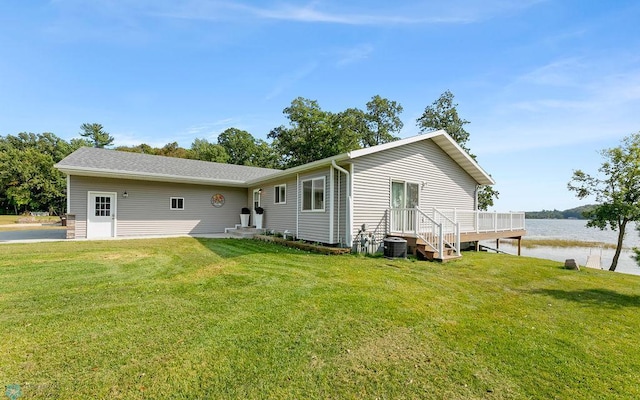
(412, 195)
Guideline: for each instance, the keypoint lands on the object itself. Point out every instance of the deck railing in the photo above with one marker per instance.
(485, 221)
(435, 228)
(441, 229)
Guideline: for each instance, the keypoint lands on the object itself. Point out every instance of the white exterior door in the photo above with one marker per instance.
(101, 215)
(405, 197)
(256, 204)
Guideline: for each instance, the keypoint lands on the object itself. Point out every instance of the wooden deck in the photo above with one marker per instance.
(478, 236)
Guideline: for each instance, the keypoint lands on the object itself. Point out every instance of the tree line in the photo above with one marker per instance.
(29, 182)
(572, 213)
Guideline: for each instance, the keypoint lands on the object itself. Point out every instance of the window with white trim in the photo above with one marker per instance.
(280, 195)
(313, 194)
(177, 203)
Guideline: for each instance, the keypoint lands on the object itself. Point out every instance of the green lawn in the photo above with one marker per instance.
(223, 318)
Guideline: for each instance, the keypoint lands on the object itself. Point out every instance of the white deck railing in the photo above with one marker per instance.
(484, 221)
(435, 228)
(441, 229)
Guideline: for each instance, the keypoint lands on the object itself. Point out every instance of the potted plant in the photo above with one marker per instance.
(244, 217)
(259, 215)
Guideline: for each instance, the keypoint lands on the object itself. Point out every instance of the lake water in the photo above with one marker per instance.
(577, 230)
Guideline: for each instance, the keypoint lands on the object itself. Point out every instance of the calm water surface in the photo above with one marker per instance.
(577, 230)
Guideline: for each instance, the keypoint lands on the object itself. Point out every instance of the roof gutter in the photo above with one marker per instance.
(97, 172)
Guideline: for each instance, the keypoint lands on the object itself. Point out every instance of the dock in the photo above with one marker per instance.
(593, 261)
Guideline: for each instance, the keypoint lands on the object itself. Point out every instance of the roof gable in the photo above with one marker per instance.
(446, 143)
(440, 138)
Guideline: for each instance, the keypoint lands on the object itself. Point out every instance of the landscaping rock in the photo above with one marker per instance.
(570, 263)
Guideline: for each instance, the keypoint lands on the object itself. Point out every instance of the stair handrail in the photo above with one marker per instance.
(454, 243)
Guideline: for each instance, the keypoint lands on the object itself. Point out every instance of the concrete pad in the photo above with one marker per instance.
(32, 235)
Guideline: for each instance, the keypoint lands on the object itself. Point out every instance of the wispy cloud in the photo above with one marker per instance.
(354, 54)
(290, 79)
(327, 12)
(563, 103)
(208, 130)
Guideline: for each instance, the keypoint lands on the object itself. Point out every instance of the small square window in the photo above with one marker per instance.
(177, 203)
(280, 195)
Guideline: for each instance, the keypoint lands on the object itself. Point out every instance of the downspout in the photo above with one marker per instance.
(475, 198)
(68, 194)
(331, 205)
(347, 233)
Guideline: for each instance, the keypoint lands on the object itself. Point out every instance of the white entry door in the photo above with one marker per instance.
(256, 204)
(101, 215)
(405, 197)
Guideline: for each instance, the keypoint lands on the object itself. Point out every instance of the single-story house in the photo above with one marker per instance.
(423, 188)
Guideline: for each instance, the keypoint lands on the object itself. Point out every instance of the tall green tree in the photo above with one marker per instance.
(616, 190)
(443, 114)
(383, 121)
(244, 149)
(96, 133)
(28, 180)
(311, 135)
(202, 149)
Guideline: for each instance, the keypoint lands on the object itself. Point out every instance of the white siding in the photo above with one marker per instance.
(279, 217)
(146, 210)
(314, 225)
(447, 184)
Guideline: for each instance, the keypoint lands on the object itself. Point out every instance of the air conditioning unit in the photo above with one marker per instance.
(395, 247)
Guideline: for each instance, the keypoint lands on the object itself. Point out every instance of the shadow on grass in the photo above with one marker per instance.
(595, 297)
(230, 248)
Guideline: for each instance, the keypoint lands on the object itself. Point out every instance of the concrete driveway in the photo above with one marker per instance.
(26, 235)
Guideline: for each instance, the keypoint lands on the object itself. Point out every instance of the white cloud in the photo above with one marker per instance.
(330, 12)
(290, 79)
(354, 54)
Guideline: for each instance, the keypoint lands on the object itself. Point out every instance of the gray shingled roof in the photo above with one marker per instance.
(92, 161)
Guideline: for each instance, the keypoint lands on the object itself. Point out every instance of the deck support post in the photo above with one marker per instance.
(519, 244)
(497, 243)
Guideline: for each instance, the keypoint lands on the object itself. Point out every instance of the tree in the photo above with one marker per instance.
(382, 120)
(443, 114)
(244, 149)
(201, 149)
(616, 190)
(173, 150)
(28, 180)
(313, 134)
(95, 132)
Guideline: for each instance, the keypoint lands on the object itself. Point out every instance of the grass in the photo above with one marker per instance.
(222, 318)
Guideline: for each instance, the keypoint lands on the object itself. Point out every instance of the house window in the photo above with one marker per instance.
(281, 194)
(177, 203)
(313, 194)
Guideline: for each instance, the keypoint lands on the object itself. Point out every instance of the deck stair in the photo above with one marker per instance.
(424, 251)
(244, 233)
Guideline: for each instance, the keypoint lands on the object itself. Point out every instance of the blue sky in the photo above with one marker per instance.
(545, 84)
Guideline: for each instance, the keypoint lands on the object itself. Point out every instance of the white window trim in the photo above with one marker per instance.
(277, 187)
(176, 208)
(324, 195)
